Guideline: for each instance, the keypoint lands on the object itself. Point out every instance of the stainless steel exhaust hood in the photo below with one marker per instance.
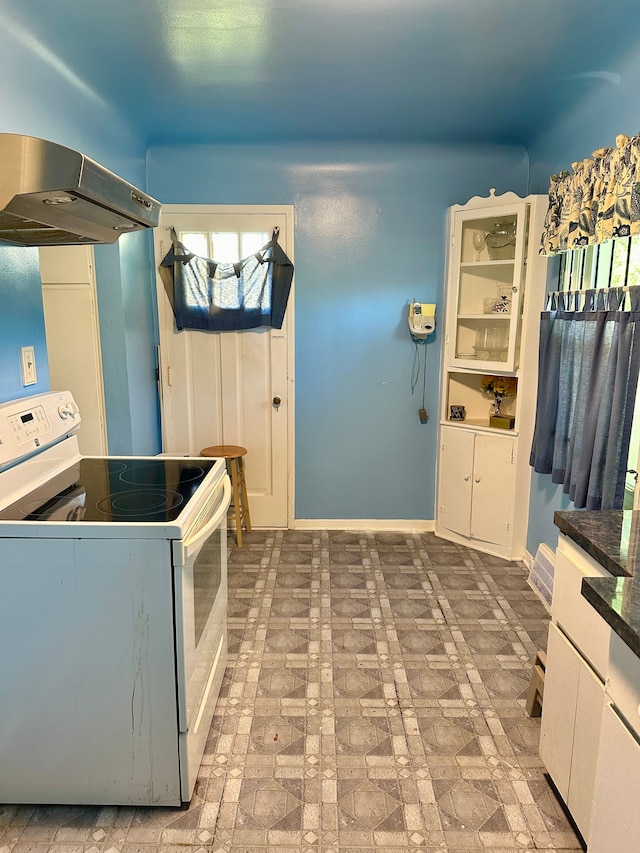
(53, 196)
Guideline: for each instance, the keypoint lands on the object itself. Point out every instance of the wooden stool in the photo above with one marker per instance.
(535, 693)
(233, 454)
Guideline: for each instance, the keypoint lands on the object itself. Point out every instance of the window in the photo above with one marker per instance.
(228, 247)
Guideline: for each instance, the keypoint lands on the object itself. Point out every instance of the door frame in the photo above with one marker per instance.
(287, 210)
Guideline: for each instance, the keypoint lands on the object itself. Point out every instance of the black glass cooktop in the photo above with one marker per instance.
(109, 490)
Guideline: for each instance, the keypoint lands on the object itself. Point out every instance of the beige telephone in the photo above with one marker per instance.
(422, 319)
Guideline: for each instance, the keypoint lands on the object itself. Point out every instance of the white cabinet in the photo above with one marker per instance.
(496, 282)
(590, 732)
(572, 710)
(615, 820)
(574, 691)
(485, 280)
(615, 824)
(476, 492)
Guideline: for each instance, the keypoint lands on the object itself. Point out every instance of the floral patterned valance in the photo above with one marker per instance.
(597, 201)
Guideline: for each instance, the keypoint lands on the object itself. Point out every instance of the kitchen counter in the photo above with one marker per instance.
(613, 539)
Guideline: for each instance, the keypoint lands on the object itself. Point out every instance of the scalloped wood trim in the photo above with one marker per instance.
(492, 198)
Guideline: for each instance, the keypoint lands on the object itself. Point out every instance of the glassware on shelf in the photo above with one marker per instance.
(499, 304)
(492, 340)
(501, 241)
(478, 240)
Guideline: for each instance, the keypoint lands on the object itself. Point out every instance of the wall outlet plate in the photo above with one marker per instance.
(28, 363)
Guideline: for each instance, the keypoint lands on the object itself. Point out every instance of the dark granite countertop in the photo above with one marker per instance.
(617, 600)
(610, 537)
(613, 539)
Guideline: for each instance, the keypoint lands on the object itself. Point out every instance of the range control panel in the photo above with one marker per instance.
(32, 423)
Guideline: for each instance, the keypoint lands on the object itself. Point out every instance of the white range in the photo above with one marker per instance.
(113, 591)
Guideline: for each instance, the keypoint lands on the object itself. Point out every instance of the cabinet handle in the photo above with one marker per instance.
(466, 478)
(477, 479)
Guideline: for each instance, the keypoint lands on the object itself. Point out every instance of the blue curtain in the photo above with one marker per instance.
(587, 379)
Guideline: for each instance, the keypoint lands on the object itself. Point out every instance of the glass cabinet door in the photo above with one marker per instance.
(487, 270)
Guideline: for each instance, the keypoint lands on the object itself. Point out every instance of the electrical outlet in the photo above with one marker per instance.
(28, 361)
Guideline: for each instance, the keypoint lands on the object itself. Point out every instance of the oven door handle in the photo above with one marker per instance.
(194, 544)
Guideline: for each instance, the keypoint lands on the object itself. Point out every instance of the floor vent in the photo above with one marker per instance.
(541, 574)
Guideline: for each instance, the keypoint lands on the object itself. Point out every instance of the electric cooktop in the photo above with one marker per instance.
(104, 489)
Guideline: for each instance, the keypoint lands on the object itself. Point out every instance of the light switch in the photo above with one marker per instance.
(28, 360)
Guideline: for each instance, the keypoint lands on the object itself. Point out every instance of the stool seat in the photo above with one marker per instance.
(226, 451)
(233, 454)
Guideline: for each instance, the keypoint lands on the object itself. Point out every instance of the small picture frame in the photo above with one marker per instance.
(457, 413)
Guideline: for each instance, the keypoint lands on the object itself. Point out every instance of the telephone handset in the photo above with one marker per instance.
(422, 319)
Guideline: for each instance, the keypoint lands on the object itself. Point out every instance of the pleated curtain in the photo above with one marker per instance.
(588, 373)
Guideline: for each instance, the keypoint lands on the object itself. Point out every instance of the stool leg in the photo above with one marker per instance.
(245, 499)
(233, 470)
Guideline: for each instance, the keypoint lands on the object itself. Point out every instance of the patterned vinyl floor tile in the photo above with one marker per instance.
(373, 701)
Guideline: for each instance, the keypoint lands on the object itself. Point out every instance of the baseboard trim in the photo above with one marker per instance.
(382, 524)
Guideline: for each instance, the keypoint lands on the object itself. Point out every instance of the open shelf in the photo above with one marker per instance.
(465, 389)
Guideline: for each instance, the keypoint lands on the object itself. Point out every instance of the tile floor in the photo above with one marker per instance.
(374, 701)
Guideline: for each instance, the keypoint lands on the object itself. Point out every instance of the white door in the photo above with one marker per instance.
(615, 821)
(586, 736)
(456, 482)
(73, 337)
(492, 489)
(230, 387)
(561, 680)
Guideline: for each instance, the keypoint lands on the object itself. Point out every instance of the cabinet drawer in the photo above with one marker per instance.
(623, 681)
(581, 623)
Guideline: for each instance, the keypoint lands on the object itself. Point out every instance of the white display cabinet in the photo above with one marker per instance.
(485, 285)
(495, 288)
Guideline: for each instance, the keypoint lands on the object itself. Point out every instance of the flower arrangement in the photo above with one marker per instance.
(498, 387)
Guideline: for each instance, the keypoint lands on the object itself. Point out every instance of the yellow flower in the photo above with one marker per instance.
(500, 386)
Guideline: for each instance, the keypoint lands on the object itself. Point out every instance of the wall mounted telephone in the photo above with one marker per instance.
(422, 319)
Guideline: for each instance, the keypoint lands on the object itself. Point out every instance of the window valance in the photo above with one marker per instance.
(597, 201)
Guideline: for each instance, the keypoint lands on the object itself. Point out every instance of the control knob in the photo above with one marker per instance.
(68, 409)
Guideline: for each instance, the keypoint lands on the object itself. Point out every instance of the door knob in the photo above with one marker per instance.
(277, 401)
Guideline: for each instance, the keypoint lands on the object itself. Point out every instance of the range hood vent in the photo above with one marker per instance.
(53, 196)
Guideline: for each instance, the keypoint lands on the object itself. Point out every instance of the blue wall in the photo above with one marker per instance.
(594, 116)
(21, 321)
(369, 238)
(127, 335)
(46, 99)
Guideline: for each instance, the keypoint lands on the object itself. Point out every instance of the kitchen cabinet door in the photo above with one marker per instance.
(561, 679)
(586, 736)
(492, 488)
(615, 823)
(570, 731)
(488, 249)
(456, 479)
